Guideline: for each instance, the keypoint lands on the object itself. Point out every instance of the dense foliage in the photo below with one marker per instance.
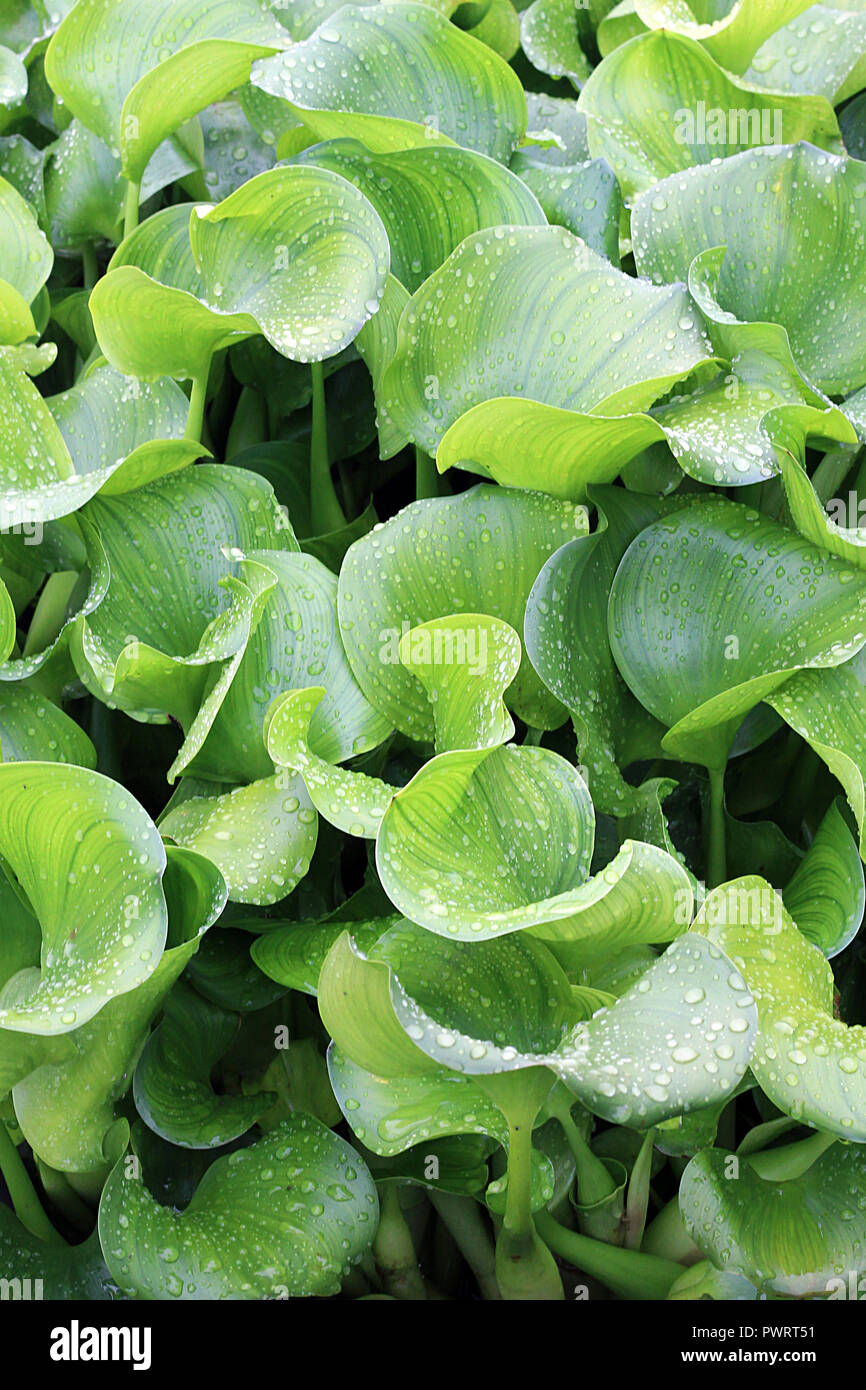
(432, 648)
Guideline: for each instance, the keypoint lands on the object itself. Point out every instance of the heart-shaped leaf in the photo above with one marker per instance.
(285, 1218)
(826, 894)
(550, 37)
(395, 76)
(101, 909)
(172, 1086)
(797, 1237)
(737, 205)
(481, 550)
(661, 104)
(32, 729)
(170, 66)
(59, 1272)
(810, 1064)
(756, 622)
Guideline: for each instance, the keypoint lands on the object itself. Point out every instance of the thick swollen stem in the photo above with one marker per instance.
(27, 1206)
(462, 1216)
(667, 1236)
(716, 857)
(197, 399)
(427, 480)
(326, 514)
(792, 1160)
(90, 265)
(130, 208)
(629, 1274)
(394, 1252)
(525, 1269)
(49, 615)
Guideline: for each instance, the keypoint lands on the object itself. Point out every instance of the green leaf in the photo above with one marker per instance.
(294, 954)
(732, 38)
(584, 198)
(296, 643)
(172, 1087)
(287, 1217)
(806, 1061)
(481, 550)
(150, 646)
(550, 38)
(396, 76)
(59, 1272)
(826, 894)
(767, 605)
(739, 205)
(679, 1039)
(261, 837)
(169, 67)
(66, 1107)
(566, 635)
(223, 973)
(525, 325)
(465, 663)
(27, 256)
(796, 1237)
(826, 708)
(661, 104)
(820, 50)
(429, 199)
(32, 729)
(101, 910)
(13, 78)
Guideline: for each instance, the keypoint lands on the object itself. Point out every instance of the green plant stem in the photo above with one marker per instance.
(394, 1252)
(716, 856)
(197, 399)
(637, 1196)
(49, 615)
(27, 1206)
(326, 514)
(427, 479)
(791, 1160)
(630, 1274)
(532, 738)
(90, 265)
(462, 1216)
(130, 208)
(668, 1237)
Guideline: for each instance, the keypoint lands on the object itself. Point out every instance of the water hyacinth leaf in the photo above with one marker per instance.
(172, 66)
(352, 801)
(261, 837)
(243, 267)
(759, 624)
(395, 76)
(479, 551)
(507, 312)
(806, 508)
(819, 51)
(106, 854)
(793, 1237)
(256, 250)
(296, 643)
(221, 971)
(465, 663)
(429, 199)
(32, 729)
(233, 151)
(27, 255)
(550, 38)
(165, 619)
(66, 1107)
(678, 1040)
(7, 622)
(584, 198)
(395, 1113)
(810, 1064)
(172, 1087)
(661, 104)
(734, 37)
(821, 195)
(286, 1217)
(461, 1165)
(556, 133)
(294, 954)
(453, 855)
(826, 894)
(60, 1272)
(703, 1280)
(13, 78)
(826, 709)
(566, 636)
(726, 431)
